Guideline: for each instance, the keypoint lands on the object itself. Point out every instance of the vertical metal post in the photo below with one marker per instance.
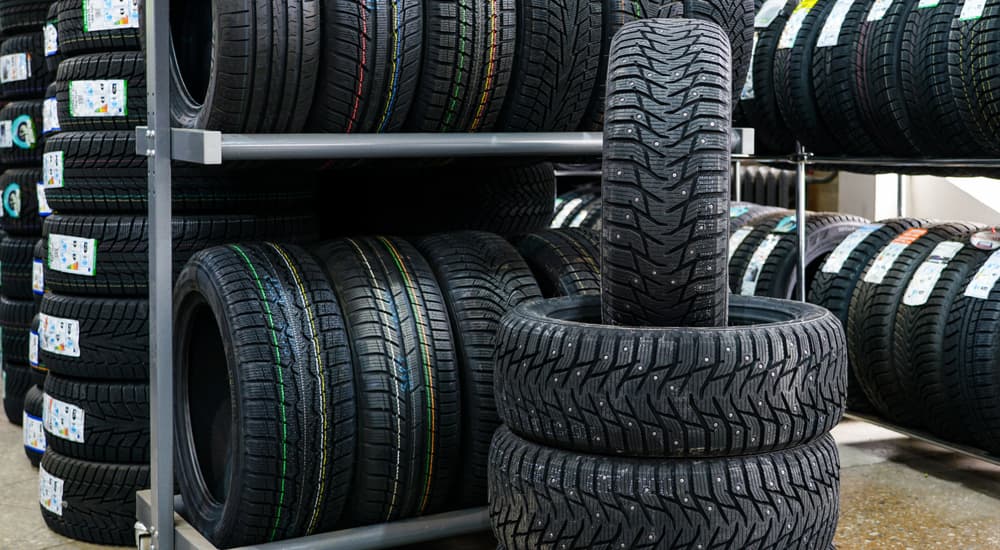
(900, 197)
(738, 177)
(161, 417)
(800, 215)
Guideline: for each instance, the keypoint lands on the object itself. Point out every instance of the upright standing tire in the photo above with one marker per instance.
(565, 262)
(22, 15)
(745, 242)
(666, 190)
(98, 29)
(973, 42)
(23, 70)
(102, 91)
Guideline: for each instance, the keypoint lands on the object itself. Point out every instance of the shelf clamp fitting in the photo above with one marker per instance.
(143, 537)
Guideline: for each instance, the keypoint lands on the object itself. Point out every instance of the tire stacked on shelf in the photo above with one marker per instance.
(565, 262)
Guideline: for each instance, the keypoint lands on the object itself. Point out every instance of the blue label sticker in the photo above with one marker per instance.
(786, 225)
(737, 211)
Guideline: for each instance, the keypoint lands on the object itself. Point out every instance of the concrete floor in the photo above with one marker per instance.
(896, 493)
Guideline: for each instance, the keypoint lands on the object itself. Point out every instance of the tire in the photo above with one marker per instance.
(565, 262)
(96, 499)
(573, 206)
(38, 271)
(973, 42)
(508, 201)
(122, 113)
(837, 100)
(25, 123)
(77, 35)
(15, 267)
(746, 213)
(27, 51)
(663, 246)
(19, 188)
(775, 274)
(758, 98)
(97, 421)
(564, 382)
(290, 428)
(16, 383)
(111, 337)
(468, 54)
(15, 322)
(50, 111)
(793, 75)
(556, 63)
(543, 497)
(871, 322)
(834, 282)
(588, 215)
(615, 16)
(22, 16)
(50, 41)
(482, 277)
(408, 453)
(743, 244)
(112, 258)
(99, 172)
(369, 85)
(32, 431)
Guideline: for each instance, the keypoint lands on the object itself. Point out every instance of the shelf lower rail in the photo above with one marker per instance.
(971, 452)
(888, 162)
(372, 537)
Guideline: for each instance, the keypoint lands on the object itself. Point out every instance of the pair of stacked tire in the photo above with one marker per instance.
(685, 419)
(894, 78)
(919, 301)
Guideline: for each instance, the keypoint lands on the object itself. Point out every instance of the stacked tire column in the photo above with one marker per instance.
(629, 435)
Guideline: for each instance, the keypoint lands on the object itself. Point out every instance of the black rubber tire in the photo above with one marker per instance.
(15, 266)
(37, 79)
(38, 255)
(871, 328)
(883, 108)
(740, 255)
(541, 497)
(588, 215)
(19, 192)
(22, 15)
(16, 383)
(98, 498)
(761, 107)
(746, 213)
(15, 322)
(129, 67)
(666, 175)
(468, 54)
(113, 419)
(265, 409)
(507, 200)
(75, 39)
(99, 172)
(616, 14)
(556, 63)
(39, 372)
(975, 79)
(112, 337)
(33, 434)
(565, 262)
(482, 277)
(409, 443)
(569, 209)
(51, 27)
(25, 118)
(119, 257)
(793, 76)
(563, 381)
(836, 96)
(833, 290)
(778, 274)
(370, 83)
(50, 112)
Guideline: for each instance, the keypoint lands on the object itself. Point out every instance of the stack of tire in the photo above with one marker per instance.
(686, 419)
(897, 78)
(24, 76)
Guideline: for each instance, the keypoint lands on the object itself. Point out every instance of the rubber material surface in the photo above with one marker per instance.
(129, 67)
(565, 262)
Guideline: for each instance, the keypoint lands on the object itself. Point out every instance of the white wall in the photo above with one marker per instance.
(953, 199)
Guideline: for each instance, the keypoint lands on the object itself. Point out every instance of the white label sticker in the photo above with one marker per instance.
(15, 67)
(6, 135)
(34, 433)
(50, 492)
(928, 4)
(878, 10)
(33, 348)
(794, 24)
(737, 238)
(43, 205)
(63, 420)
(565, 212)
(985, 279)
(748, 91)
(51, 39)
(757, 262)
(38, 277)
(972, 9)
(835, 261)
(52, 169)
(927, 275)
(59, 336)
(887, 257)
(104, 15)
(50, 116)
(830, 33)
(767, 13)
(73, 255)
(98, 98)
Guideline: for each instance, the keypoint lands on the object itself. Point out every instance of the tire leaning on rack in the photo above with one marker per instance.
(666, 175)
(265, 397)
(118, 77)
